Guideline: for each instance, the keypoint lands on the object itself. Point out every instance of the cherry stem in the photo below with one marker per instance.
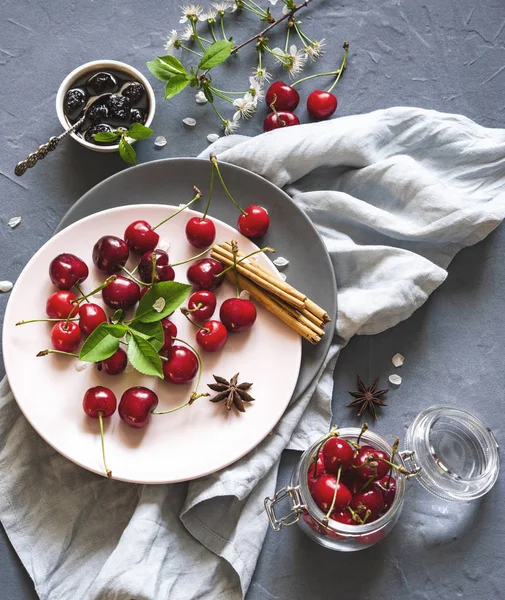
(211, 187)
(327, 73)
(266, 249)
(183, 262)
(198, 195)
(132, 276)
(330, 510)
(185, 312)
(342, 66)
(197, 307)
(216, 166)
(79, 289)
(98, 289)
(43, 321)
(51, 351)
(154, 275)
(100, 420)
(355, 517)
(393, 454)
(166, 412)
(194, 394)
(364, 427)
(281, 122)
(367, 483)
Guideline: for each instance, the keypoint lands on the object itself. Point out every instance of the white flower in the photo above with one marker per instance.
(261, 75)
(285, 10)
(172, 42)
(255, 90)
(314, 50)
(293, 61)
(222, 7)
(245, 106)
(187, 34)
(191, 12)
(200, 98)
(210, 16)
(233, 125)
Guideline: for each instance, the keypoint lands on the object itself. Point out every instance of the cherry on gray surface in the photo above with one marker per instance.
(442, 55)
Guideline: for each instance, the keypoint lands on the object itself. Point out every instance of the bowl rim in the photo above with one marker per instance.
(90, 66)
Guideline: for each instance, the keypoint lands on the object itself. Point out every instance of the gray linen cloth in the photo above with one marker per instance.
(395, 194)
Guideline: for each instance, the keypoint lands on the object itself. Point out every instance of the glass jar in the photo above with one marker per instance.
(449, 451)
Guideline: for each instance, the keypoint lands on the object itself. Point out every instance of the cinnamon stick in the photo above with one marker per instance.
(321, 315)
(227, 258)
(272, 305)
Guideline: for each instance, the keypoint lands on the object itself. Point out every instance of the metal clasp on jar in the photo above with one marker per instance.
(293, 516)
(407, 458)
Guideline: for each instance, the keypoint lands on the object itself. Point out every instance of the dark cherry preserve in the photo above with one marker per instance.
(119, 101)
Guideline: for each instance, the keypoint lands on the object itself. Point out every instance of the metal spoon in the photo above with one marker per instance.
(51, 144)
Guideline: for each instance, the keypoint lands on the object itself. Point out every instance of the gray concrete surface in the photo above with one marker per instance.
(442, 54)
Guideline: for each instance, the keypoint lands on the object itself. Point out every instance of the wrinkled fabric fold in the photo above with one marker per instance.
(395, 194)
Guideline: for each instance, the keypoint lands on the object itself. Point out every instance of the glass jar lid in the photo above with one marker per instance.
(457, 454)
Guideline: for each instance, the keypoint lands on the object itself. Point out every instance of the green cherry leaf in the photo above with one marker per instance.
(126, 152)
(215, 54)
(174, 64)
(102, 343)
(153, 332)
(174, 294)
(105, 136)
(144, 357)
(138, 131)
(175, 85)
(161, 70)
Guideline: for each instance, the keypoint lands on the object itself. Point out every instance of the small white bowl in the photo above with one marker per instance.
(101, 65)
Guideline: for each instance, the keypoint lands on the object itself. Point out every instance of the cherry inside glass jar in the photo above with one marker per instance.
(451, 452)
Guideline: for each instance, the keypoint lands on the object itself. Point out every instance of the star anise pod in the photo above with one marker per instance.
(233, 393)
(367, 398)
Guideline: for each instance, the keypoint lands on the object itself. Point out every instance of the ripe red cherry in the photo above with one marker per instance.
(284, 96)
(140, 237)
(212, 337)
(169, 332)
(144, 291)
(280, 119)
(99, 399)
(136, 406)
(344, 517)
(337, 453)
(323, 492)
(200, 233)
(321, 105)
(115, 364)
(110, 254)
(206, 301)
(314, 472)
(313, 524)
(164, 271)
(67, 270)
(203, 274)
(368, 500)
(387, 487)
(351, 483)
(181, 366)
(122, 293)
(60, 304)
(65, 336)
(255, 222)
(237, 314)
(90, 317)
(369, 463)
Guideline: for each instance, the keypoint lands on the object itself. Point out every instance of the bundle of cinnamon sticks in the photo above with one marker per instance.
(288, 304)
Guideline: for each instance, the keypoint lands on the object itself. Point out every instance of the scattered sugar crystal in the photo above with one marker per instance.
(398, 360)
(212, 137)
(281, 261)
(6, 286)
(160, 141)
(14, 222)
(189, 121)
(395, 379)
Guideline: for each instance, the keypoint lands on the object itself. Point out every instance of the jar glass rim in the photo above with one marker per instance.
(314, 510)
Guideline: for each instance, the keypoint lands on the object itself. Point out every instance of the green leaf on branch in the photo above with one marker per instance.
(152, 332)
(143, 356)
(137, 131)
(102, 343)
(105, 136)
(175, 85)
(215, 54)
(163, 70)
(174, 294)
(174, 64)
(126, 152)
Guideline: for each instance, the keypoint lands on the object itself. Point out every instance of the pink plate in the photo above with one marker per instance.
(190, 443)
